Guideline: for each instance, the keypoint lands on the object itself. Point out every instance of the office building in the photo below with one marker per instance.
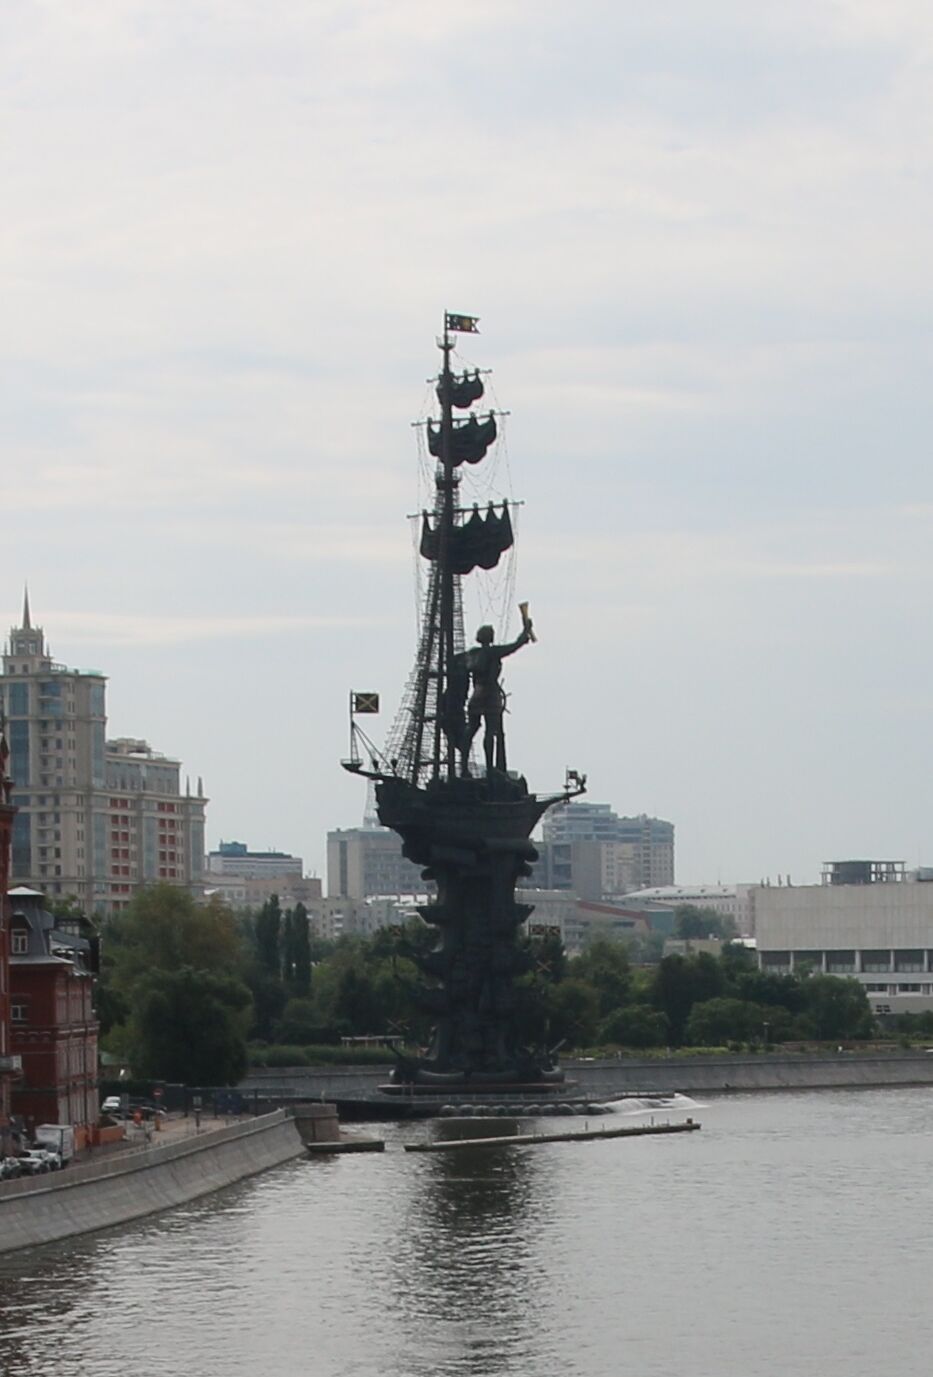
(235, 859)
(95, 819)
(588, 849)
(246, 879)
(364, 861)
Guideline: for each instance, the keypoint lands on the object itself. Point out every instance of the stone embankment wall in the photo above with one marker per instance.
(632, 1075)
(95, 1195)
(764, 1072)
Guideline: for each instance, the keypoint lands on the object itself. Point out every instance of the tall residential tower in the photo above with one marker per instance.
(96, 819)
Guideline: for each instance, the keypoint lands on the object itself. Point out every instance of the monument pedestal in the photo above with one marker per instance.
(472, 836)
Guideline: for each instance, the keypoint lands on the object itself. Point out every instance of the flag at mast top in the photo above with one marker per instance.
(465, 325)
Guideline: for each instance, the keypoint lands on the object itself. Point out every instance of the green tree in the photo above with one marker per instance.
(573, 1013)
(692, 921)
(301, 952)
(190, 1025)
(725, 1019)
(289, 953)
(604, 966)
(165, 929)
(359, 1002)
(836, 1007)
(548, 957)
(680, 982)
(269, 936)
(301, 1024)
(269, 997)
(636, 1026)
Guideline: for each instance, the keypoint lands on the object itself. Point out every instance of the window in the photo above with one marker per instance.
(18, 1013)
(20, 942)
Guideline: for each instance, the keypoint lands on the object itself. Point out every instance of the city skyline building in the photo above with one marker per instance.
(96, 819)
(736, 902)
(589, 849)
(366, 861)
(870, 920)
(246, 879)
(234, 858)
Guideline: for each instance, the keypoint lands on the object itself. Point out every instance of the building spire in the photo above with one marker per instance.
(27, 623)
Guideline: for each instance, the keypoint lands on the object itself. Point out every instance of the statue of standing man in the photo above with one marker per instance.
(486, 703)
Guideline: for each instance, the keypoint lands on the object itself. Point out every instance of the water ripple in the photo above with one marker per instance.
(788, 1237)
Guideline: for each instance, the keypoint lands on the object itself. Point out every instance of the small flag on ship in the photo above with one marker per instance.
(365, 702)
(467, 325)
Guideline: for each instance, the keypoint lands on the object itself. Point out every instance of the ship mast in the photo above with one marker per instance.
(423, 744)
(438, 636)
(447, 484)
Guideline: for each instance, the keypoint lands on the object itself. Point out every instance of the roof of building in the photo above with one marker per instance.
(674, 892)
(47, 943)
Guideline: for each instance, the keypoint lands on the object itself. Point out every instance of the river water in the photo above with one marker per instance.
(793, 1235)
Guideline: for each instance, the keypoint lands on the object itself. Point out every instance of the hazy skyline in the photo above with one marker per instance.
(696, 237)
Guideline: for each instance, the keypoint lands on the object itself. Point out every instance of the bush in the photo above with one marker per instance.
(286, 1054)
(278, 1054)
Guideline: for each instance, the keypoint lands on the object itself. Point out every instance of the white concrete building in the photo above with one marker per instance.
(731, 901)
(879, 933)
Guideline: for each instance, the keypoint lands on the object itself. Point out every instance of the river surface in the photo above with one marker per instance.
(793, 1235)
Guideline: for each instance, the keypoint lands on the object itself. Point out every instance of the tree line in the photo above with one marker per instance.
(189, 991)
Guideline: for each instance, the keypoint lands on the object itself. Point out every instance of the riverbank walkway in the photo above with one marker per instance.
(170, 1128)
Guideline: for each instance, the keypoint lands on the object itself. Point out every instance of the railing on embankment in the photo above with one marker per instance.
(637, 1075)
(141, 1181)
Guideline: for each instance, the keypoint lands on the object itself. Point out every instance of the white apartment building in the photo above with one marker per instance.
(96, 819)
(730, 901)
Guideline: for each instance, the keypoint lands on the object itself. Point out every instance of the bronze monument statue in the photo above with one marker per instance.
(486, 704)
(469, 830)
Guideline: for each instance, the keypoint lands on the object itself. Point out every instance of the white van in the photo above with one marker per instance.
(60, 1137)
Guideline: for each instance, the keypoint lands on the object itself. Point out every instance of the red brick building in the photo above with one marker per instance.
(7, 1060)
(52, 1023)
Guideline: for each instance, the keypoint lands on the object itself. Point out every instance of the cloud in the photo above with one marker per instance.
(697, 239)
(146, 629)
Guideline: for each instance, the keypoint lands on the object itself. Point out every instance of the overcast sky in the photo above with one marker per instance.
(698, 238)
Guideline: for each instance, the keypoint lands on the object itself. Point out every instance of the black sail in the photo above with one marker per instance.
(478, 544)
(461, 392)
(469, 440)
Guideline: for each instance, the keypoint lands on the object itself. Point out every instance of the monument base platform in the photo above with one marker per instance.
(502, 1090)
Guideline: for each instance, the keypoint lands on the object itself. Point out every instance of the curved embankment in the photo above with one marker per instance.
(96, 1195)
(635, 1075)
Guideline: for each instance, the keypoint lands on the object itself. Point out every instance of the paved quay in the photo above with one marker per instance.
(143, 1175)
(173, 1128)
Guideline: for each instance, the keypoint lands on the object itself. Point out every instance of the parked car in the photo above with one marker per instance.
(51, 1155)
(112, 1105)
(33, 1162)
(9, 1168)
